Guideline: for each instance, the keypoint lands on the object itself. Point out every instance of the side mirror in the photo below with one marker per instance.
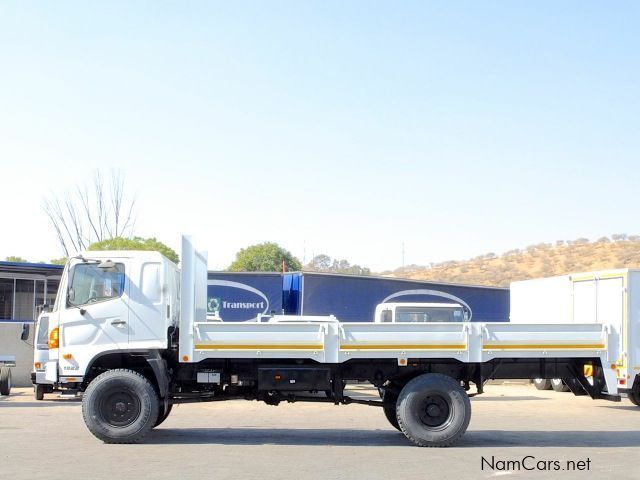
(24, 336)
(45, 307)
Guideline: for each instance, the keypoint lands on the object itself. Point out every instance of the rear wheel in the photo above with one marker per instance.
(634, 397)
(120, 406)
(39, 391)
(433, 410)
(542, 383)
(5, 381)
(558, 385)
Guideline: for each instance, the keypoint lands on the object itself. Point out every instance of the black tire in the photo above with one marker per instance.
(542, 383)
(390, 407)
(120, 406)
(162, 416)
(558, 385)
(5, 381)
(39, 391)
(634, 397)
(433, 410)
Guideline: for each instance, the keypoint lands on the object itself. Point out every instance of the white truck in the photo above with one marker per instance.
(409, 312)
(130, 331)
(40, 356)
(606, 297)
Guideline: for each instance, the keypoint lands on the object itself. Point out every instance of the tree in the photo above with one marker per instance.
(58, 261)
(136, 243)
(91, 213)
(320, 263)
(324, 263)
(14, 259)
(264, 257)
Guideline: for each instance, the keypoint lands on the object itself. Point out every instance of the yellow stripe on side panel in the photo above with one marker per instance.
(220, 346)
(370, 346)
(550, 346)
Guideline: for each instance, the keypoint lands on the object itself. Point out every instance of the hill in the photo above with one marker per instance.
(541, 260)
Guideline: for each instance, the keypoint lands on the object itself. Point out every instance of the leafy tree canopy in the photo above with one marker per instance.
(136, 243)
(324, 263)
(58, 261)
(14, 259)
(264, 257)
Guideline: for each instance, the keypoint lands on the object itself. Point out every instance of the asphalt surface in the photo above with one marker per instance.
(249, 440)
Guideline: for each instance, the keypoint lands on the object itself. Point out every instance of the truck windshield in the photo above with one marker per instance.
(90, 283)
(429, 314)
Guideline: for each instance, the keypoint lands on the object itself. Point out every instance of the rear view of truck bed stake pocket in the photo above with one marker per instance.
(112, 339)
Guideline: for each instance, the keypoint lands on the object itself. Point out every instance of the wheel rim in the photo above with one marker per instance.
(436, 412)
(120, 408)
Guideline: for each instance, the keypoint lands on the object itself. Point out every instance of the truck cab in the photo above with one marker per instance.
(420, 313)
(109, 302)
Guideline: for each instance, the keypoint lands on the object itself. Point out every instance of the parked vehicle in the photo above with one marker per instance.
(420, 313)
(604, 297)
(130, 331)
(6, 363)
(40, 357)
(353, 298)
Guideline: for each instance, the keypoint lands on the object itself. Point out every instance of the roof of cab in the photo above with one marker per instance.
(122, 254)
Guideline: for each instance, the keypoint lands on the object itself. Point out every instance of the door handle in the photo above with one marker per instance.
(117, 321)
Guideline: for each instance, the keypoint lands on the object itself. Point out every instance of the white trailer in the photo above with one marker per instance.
(130, 331)
(610, 298)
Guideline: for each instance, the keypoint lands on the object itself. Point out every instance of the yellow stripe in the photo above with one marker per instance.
(552, 346)
(219, 346)
(365, 346)
(594, 276)
(582, 278)
(613, 275)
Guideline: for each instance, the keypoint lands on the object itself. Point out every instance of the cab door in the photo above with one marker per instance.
(149, 313)
(94, 315)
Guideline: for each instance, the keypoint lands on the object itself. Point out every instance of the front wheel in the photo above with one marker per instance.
(433, 410)
(39, 391)
(5, 381)
(634, 397)
(120, 406)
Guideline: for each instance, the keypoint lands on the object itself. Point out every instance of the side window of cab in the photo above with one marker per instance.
(93, 282)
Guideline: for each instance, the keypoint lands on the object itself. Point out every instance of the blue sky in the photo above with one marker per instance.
(348, 128)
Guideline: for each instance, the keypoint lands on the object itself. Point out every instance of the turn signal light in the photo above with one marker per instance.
(67, 356)
(54, 338)
(38, 365)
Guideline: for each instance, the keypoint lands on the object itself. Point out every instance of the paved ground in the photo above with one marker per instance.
(248, 440)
